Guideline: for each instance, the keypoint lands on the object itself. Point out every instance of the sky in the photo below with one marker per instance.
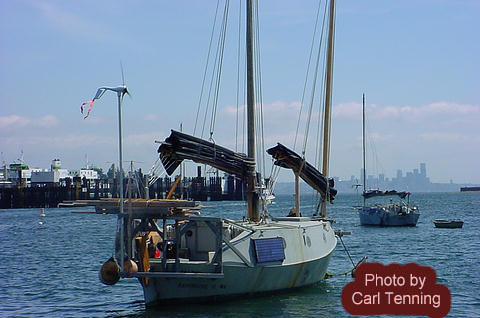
(416, 61)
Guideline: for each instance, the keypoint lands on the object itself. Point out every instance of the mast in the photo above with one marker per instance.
(328, 101)
(252, 195)
(364, 149)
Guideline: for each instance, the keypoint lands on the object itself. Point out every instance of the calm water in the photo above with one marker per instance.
(51, 270)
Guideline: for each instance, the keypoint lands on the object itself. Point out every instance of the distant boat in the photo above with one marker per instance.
(392, 214)
(448, 224)
(42, 212)
(470, 189)
(71, 204)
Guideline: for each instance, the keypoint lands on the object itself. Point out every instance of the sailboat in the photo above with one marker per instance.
(400, 213)
(180, 256)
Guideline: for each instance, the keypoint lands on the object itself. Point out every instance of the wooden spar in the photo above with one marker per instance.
(174, 186)
(252, 195)
(328, 101)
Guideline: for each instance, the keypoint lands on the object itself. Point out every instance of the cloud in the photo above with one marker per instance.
(63, 141)
(151, 117)
(438, 109)
(276, 109)
(446, 137)
(57, 16)
(66, 21)
(47, 121)
(381, 137)
(13, 122)
(406, 113)
(348, 110)
(145, 139)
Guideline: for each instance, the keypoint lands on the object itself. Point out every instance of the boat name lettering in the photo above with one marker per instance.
(201, 286)
(184, 285)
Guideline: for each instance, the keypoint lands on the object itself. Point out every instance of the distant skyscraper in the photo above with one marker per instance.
(399, 174)
(423, 170)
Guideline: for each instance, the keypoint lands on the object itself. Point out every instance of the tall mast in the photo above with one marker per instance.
(364, 149)
(252, 195)
(328, 100)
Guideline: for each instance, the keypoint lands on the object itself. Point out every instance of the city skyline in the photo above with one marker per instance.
(417, 178)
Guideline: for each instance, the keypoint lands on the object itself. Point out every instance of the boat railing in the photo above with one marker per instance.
(179, 237)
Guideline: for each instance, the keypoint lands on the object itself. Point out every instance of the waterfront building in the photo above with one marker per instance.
(55, 175)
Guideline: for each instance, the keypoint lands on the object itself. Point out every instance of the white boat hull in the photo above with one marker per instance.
(237, 282)
(308, 249)
(383, 217)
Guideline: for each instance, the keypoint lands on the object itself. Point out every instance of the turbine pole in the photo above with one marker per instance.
(120, 159)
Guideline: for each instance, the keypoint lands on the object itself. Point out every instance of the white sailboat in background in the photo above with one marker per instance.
(400, 213)
(180, 256)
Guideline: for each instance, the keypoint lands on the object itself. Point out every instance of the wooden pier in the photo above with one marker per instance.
(49, 195)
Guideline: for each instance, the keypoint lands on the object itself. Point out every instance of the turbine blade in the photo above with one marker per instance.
(123, 76)
(128, 93)
(99, 93)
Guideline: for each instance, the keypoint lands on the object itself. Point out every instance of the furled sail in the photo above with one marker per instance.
(179, 146)
(287, 158)
(377, 193)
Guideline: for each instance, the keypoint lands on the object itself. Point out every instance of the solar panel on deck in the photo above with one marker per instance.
(269, 249)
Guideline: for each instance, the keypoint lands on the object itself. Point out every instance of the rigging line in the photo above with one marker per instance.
(320, 126)
(307, 75)
(220, 66)
(206, 69)
(346, 250)
(259, 92)
(244, 118)
(214, 72)
(238, 74)
(319, 131)
(156, 175)
(153, 166)
(375, 164)
(153, 177)
(271, 183)
(314, 85)
(375, 159)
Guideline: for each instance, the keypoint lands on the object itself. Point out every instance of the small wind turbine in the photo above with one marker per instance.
(121, 91)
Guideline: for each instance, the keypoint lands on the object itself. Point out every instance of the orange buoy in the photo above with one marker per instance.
(130, 267)
(109, 272)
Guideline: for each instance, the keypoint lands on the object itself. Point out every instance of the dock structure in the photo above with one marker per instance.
(50, 195)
